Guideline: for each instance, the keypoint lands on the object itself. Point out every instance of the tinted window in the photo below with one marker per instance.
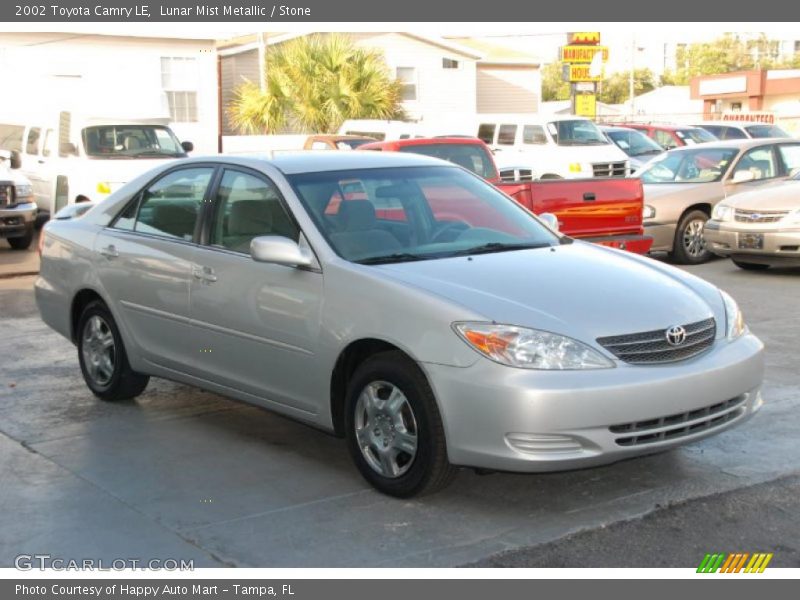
(634, 143)
(533, 134)
(766, 131)
(759, 161)
(732, 133)
(506, 135)
(577, 132)
(486, 133)
(474, 157)
(131, 141)
(247, 207)
(171, 206)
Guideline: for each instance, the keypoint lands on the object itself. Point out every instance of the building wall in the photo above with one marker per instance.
(440, 92)
(235, 70)
(508, 89)
(107, 76)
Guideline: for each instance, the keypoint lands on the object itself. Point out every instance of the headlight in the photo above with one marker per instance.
(103, 187)
(530, 348)
(23, 190)
(649, 212)
(734, 319)
(574, 167)
(722, 212)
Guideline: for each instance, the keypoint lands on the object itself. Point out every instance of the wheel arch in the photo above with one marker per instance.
(80, 301)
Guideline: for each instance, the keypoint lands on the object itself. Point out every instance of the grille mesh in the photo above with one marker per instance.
(679, 425)
(744, 215)
(651, 347)
(614, 169)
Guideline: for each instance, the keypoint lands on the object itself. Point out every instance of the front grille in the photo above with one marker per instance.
(614, 169)
(679, 425)
(744, 215)
(516, 175)
(650, 347)
(6, 194)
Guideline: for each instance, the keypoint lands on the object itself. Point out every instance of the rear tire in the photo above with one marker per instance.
(23, 242)
(689, 246)
(394, 431)
(102, 356)
(750, 266)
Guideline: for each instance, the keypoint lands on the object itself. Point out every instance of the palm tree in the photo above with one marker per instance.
(314, 83)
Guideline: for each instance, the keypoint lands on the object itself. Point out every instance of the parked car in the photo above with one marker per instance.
(95, 156)
(758, 229)
(605, 211)
(552, 146)
(682, 186)
(336, 142)
(635, 144)
(742, 130)
(380, 129)
(18, 209)
(498, 345)
(672, 136)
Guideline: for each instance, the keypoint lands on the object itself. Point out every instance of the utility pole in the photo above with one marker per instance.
(631, 79)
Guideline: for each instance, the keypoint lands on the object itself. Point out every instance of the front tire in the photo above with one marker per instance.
(750, 266)
(689, 246)
(23, 242)
(394, 431)
(102, 356)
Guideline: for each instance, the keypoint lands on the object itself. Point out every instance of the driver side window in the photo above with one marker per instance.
(759, 161)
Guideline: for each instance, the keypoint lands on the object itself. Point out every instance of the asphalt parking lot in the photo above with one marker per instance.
(180, 473)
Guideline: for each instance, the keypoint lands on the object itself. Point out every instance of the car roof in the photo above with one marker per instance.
(426, 141)
(734, 124)
(662, 126)
(305, 161)
(740, 144)
(618, 128)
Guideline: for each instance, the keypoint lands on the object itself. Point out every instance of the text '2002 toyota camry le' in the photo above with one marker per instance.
(401, 302)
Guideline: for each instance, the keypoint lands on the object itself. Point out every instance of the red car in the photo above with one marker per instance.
(671, 136)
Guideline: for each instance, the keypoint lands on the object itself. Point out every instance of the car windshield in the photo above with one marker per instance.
(701, 165)
(131, 141)
(474, 157)
(634, 143)
(576, 132)
(695, 135)
(387, 215)
(766, 131)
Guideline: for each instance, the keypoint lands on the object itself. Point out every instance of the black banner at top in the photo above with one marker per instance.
(334, 11)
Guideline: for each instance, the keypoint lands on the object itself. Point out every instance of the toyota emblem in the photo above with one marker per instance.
(676, 335)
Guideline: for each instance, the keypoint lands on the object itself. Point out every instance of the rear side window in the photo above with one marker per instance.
(486, 132)
(171, 206)
(790, 155)
(32, 143)
(533, 134)
(507, 135)
(732, 133)
(473, 157)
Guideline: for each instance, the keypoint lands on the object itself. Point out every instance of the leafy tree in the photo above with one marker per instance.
(313, 84)
(553, 86)
(615, 88)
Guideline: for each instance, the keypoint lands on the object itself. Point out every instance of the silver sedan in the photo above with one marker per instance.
(401, 302)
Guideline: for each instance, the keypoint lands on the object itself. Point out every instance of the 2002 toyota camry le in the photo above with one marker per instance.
(401, 302)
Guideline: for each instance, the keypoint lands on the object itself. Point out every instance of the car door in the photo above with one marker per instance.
(259, 322)
(144, 263)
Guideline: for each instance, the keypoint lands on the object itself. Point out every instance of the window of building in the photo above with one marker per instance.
(407, 76)
(449, 63)
(736, 106)
(179, 79)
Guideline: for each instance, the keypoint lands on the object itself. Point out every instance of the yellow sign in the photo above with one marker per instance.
(584, 37)
(586, 105)
(581, 73)
(582, 54)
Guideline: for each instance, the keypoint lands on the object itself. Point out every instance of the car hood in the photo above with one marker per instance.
(784, 196)
(577, 289)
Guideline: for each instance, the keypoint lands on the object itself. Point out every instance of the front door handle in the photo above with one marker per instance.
(203, 273)
(109, 251)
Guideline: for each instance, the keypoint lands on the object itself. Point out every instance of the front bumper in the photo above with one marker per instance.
(498, 417)
(638, 244)
(781, 246)
(16, 221)
(663, 235)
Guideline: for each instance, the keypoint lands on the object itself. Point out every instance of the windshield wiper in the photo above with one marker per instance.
(498, 247)
(391, 258)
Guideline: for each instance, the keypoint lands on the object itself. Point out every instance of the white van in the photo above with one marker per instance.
(380, 130)
(551, 146)
(71, 158)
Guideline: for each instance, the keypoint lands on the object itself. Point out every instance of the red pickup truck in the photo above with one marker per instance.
(604, 211)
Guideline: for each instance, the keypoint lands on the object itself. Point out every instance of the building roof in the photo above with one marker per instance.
(496, 54)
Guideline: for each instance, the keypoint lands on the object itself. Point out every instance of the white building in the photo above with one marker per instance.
(108, 75)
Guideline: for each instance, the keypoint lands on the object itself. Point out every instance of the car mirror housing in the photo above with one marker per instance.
(550, 220)
(742, 176)
(279, 250)
(187, 146)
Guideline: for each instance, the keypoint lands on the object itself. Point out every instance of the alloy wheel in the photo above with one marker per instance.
(99, 351)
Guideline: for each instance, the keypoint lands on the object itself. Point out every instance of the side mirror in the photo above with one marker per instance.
(67, 149)
(187, 146)
(15, 160)
(550, 220)
(279, 250)
(742, 176)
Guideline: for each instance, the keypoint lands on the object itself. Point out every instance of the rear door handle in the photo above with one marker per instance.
(109, 251)
(202, 273)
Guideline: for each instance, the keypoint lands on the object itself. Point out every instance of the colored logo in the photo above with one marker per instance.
(735, 563)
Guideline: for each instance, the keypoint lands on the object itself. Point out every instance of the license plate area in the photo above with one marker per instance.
(751, 241)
